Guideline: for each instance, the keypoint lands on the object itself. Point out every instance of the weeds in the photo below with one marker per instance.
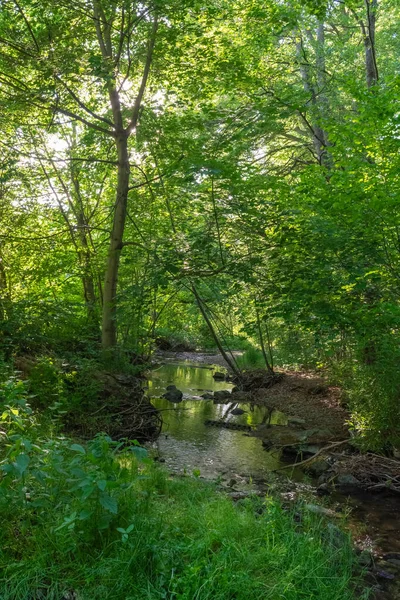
(252, 358)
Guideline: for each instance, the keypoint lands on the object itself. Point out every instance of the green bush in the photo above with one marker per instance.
(252, 358)
(372, 393)
(46, 383)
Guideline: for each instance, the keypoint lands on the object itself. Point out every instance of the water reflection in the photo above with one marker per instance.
(192, 380)
(186, 443)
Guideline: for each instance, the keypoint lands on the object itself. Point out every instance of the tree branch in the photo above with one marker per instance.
(146, 72)
(83, 105)
(73, 115)
(28, 25)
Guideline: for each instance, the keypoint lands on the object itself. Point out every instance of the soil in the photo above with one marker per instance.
(309, 398)
(118, 406)
(121, 409)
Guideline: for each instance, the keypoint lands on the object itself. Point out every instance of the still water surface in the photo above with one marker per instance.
(187, 444)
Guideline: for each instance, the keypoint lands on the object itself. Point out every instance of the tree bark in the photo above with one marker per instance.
(121, 136)
(316, 90)
(262, 342)
(229, 362)
(371, 68)
(109, 322)
(368, 33)
(4, 295)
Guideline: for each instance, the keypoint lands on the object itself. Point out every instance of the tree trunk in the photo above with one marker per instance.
(109, 324)
(262, 343)
(229, 362)
(318, 97)
(4, 296)
(371, 68)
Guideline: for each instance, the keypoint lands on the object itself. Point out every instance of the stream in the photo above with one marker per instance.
(187, 445)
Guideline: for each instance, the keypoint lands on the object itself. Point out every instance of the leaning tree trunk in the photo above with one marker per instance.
(215, 337)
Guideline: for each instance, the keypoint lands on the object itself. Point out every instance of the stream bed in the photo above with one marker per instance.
(187, 445)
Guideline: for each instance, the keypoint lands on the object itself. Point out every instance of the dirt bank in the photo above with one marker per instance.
(307, 397)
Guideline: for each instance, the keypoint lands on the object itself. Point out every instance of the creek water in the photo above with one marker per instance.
(188, 445)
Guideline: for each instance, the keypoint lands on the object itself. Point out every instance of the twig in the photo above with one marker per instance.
(303, 462)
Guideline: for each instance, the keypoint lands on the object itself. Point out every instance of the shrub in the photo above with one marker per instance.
(251, 359)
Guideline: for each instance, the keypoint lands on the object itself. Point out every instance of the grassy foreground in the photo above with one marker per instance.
(100, 522)
(188, 543)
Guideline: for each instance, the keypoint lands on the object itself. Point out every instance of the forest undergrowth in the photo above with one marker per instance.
(99, 520)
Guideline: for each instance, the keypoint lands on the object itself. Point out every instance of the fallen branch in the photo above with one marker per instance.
(314, 456)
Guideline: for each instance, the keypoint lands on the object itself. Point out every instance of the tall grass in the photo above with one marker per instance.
(187, 542)
(252, 358)
(101, 522)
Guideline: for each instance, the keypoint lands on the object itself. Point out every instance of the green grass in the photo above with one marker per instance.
(189, 543)
(252, 358)
(103, 521)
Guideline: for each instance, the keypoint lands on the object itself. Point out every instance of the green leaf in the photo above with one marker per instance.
(85, 514)
(104, 521)
(7, 468)
(140, 453)
(109, 503)
(87, 491)
(102, 484)
(78, 448)
(22, 461)
(27, 445)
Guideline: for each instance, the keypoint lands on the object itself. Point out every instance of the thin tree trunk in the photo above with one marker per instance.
(4, 295)
(261, 337)
(215, 337)
(318, 97)
(368, 33)
(109, 322)
(84, 252)
(371, 67)
(87, 277)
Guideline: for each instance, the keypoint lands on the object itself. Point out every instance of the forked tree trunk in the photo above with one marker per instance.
(104, 30)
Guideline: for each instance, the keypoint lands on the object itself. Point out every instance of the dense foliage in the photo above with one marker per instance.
(173, 166)
(186, 174)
